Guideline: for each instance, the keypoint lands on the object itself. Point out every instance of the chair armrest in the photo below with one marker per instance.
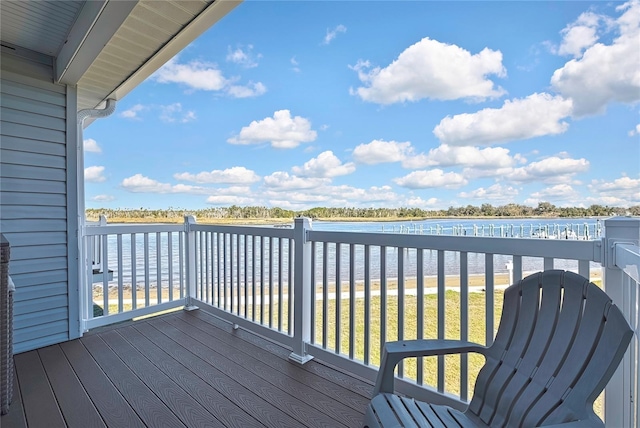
(394, 352)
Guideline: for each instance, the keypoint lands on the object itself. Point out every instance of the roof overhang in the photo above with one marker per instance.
(107, 47)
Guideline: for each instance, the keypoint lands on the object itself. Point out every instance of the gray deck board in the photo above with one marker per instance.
(182, 369)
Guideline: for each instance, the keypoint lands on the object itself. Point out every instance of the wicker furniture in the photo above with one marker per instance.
(6, 329)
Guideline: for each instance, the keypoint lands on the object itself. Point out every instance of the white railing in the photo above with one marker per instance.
(142, 271)
(340, 295)
(622, 283)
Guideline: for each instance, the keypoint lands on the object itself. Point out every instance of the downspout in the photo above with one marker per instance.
(84, 264)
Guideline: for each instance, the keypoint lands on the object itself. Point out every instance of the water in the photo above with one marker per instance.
(269, 263)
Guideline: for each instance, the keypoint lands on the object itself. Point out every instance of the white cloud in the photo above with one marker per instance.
(326, 165)
(518, 119)
(416, 201)
(493, 192)
(295, 65)
(332, 196)
(623, 191)
(554, 193)
(635, 131)
(380, 151)
(234, 175)
(431, 178)
(244, 57)
(227, 200)
(247, 91)
(91, 146)
(140, 184)
(204, 76)
(196, 75)
(132, 113)
(103, 198)
(431, 69)
(281, 131)
(579, 35)
(444, 155)
(332, 34)
(605, 73)
(552, 170)
(173, 113)
(94, 174)
(282, 180)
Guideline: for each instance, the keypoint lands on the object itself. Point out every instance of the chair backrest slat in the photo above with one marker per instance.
(555, 325)
(513, 355)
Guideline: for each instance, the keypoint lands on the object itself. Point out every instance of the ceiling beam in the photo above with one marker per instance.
(96, 23)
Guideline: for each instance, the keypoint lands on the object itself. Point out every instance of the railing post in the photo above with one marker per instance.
(621, 390)
(301, 291)
(190, 241)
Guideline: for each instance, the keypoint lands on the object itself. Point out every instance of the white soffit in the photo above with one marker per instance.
(152, 33)
(40, 26)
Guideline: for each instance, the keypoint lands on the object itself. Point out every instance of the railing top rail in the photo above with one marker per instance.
(116, 229)
(627, 258)
(556, 248)
(244, 230)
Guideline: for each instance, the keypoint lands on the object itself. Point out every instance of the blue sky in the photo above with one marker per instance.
(426, 104)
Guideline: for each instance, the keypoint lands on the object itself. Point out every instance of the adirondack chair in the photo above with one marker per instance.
(559, 341)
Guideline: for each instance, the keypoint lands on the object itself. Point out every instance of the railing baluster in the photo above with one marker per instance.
(420, 311)
(134, 281)
(325, 294)
(367, 304)
(225, 279)
(211, 269)
(464, 323)
(338, 299)
(181, 263)
(262, 264)
(238, 272)
(441, 315)
(400, 286)
(158, 268)
(105, 273)
(231, 263)
(280, 305)
(489, 279)
(383, 297)
(271, 264)
(246, 275)
(120, 279)
(218, 237)
(548, 263)
(291, 291)
(147, 268)
(170, 264)
(352, 300)
(314, 290)
(517, 269)
(253, 278)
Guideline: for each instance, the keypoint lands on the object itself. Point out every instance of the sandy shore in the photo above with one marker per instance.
(476, 284)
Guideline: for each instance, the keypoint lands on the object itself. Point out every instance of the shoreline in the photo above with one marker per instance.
(277, 220)
(452, 283)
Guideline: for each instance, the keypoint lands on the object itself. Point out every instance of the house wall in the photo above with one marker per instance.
(37, 170)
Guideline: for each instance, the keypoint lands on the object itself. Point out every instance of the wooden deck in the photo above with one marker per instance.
(184, 369)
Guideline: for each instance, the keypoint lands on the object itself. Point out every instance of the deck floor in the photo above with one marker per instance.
(184, 369)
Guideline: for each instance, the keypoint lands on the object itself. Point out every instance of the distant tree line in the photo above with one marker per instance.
(544, 209)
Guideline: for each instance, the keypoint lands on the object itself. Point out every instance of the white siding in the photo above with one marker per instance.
(33, 204)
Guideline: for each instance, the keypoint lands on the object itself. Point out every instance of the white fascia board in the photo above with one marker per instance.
(212, 14)
(96, 23)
